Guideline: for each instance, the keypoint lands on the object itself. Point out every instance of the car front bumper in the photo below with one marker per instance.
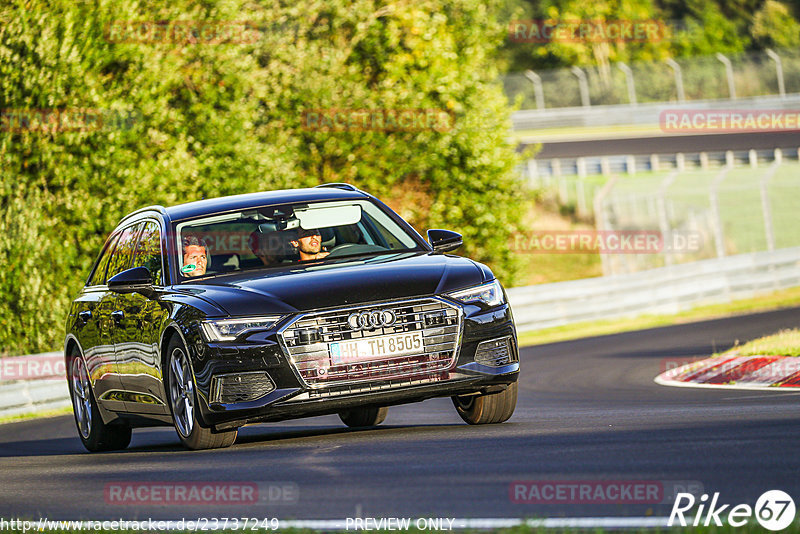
(292, 396)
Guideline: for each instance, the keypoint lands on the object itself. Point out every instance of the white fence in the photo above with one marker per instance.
(640, 114)
(758, 74)
(40, 394)
(737, 202)
(664, 290)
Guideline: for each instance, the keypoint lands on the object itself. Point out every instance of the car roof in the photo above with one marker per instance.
(212, 206)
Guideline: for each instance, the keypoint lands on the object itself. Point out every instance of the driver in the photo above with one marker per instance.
(309, 244)
(195, 260)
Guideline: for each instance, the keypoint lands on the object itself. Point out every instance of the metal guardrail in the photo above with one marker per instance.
(640, 114)
(542, 172)
(665, 290)
(46, 392)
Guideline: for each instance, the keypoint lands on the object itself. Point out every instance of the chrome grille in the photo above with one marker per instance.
(307, 342)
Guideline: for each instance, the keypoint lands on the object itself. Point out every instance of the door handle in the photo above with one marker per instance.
(84, 316)
(118, 315)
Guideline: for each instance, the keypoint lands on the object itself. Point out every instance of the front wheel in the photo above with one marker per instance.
(183, 402)
(363, 417)
(94, 433)
(487, 409)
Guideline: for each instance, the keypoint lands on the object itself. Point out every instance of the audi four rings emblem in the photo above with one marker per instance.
(367, 320)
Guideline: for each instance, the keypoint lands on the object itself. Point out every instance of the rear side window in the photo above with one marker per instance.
(99, 274)
(123, 253)
(148, 251)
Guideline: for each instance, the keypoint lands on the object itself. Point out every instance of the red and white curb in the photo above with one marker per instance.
(774, 373)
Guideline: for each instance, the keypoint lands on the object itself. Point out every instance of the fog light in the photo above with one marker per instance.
(240, 387)
(495, 353)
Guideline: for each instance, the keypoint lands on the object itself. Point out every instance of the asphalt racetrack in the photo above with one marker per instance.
(588, 410)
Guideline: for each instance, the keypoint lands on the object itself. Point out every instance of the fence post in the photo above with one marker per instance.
(605, 165)
(719, 236)
(580, 187)
(676, 68)
(766, 208)
(630, 165)
(601, 219)
(563, 194)
(629, 81)
(663, 221)
(729, 73)
(583, 84)
(533, 172)
(779, 71)
(680, 161)
(538, 91)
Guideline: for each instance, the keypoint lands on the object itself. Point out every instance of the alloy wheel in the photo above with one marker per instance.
(81, 396)
(181, 388)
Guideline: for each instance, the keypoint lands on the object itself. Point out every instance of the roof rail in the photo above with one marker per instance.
(339, 185)
(161, 209)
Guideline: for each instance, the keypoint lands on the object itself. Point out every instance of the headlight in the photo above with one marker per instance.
(490, 294)
(230, 329)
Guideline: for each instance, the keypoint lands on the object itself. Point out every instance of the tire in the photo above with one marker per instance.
(487, 409)
(94, 433)
(180, 388)
(364, 417)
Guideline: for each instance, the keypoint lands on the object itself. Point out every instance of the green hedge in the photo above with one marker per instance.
(189, 120)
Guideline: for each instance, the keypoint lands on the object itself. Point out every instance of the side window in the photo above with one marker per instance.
(99, 274)
(123, 253)
(148, 251)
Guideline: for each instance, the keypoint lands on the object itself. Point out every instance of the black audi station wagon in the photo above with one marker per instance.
(269, 306)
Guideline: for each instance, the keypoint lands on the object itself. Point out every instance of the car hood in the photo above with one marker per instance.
(340, 283)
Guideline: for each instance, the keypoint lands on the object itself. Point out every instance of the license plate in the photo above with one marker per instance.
(377, 347)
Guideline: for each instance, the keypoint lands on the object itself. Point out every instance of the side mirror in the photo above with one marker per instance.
(444, 240)
(130, 280)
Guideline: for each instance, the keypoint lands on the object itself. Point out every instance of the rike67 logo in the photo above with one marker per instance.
(774, 510)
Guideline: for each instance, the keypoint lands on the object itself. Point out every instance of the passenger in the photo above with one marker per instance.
(266, 246)
(309, 244)
(195, 260)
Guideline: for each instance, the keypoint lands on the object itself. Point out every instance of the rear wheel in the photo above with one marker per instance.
(487, 409)
(183, 404)
(94, 433)
(363, 417)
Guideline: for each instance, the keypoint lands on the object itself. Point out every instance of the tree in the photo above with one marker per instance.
(774, 26)
(175, 109)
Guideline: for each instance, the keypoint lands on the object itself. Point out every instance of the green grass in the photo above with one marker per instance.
(634, 205)
(580, 132)
(783, 343)
(25, 416)
(781, 299)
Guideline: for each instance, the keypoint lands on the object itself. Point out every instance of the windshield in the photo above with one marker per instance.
(287, 234)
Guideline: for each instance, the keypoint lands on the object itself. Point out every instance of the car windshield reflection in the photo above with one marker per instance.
(287, 235)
